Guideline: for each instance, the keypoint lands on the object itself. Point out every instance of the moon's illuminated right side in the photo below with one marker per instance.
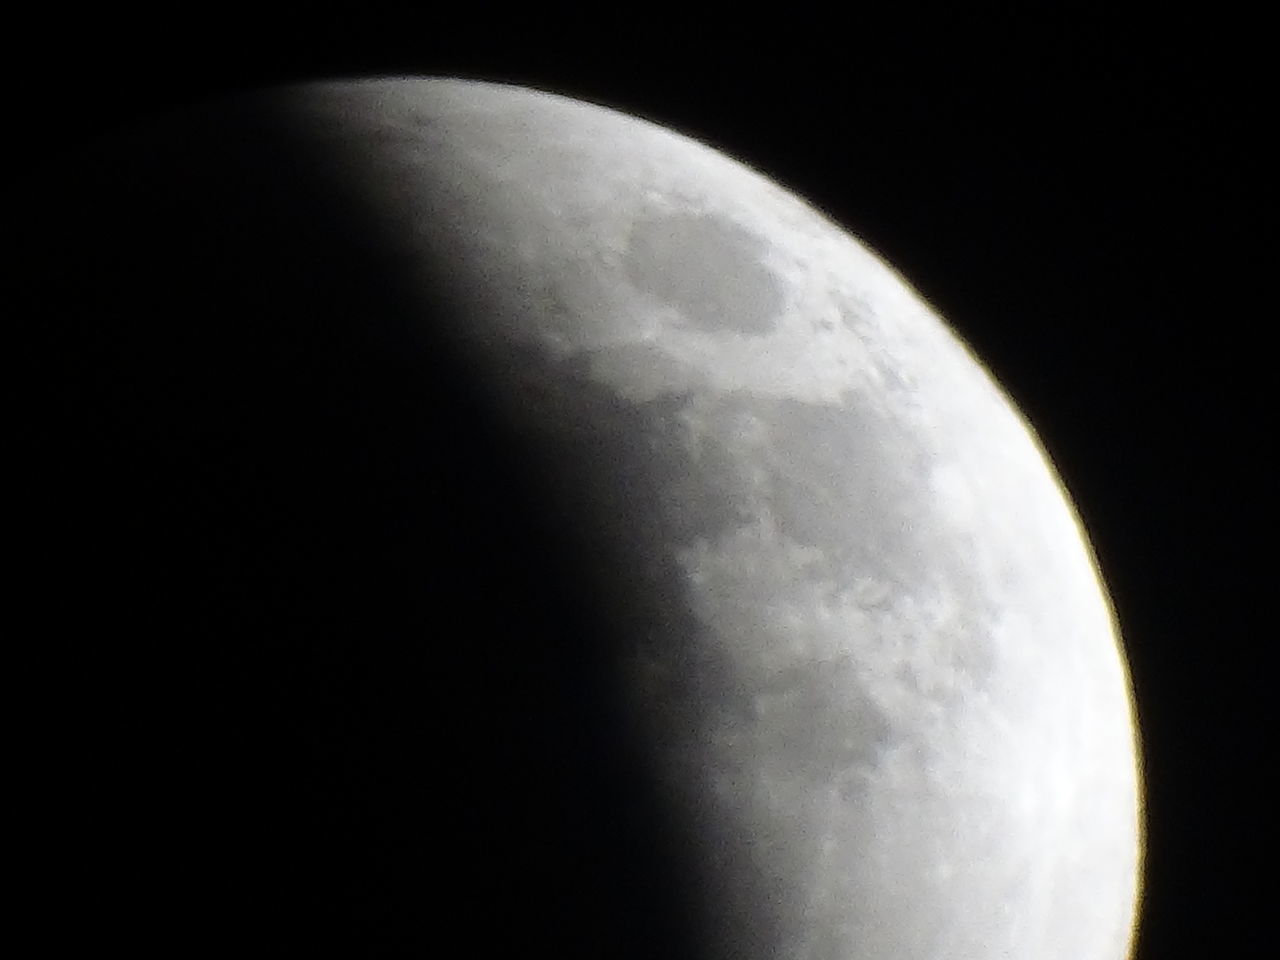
(865, 642)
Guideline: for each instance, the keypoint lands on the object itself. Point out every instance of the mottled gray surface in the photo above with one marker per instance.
(867, 643)
(669, 257)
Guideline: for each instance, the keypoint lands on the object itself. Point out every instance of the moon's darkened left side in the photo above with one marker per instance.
(317, 666)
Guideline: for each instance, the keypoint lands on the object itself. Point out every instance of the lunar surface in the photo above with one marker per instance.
(846, 618)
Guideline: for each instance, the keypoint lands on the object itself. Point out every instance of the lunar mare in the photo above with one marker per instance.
(873, 659)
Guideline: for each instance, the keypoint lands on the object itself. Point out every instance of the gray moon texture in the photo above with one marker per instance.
(861, 639)
(892, 680)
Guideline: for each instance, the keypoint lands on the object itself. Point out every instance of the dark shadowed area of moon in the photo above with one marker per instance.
(482, 517)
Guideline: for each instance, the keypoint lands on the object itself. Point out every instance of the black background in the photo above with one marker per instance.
(1080, 197)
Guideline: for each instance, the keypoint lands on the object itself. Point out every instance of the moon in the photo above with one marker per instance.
(845, 611)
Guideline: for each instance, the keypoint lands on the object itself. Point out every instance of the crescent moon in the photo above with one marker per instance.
(891, 680)
(848, 609)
